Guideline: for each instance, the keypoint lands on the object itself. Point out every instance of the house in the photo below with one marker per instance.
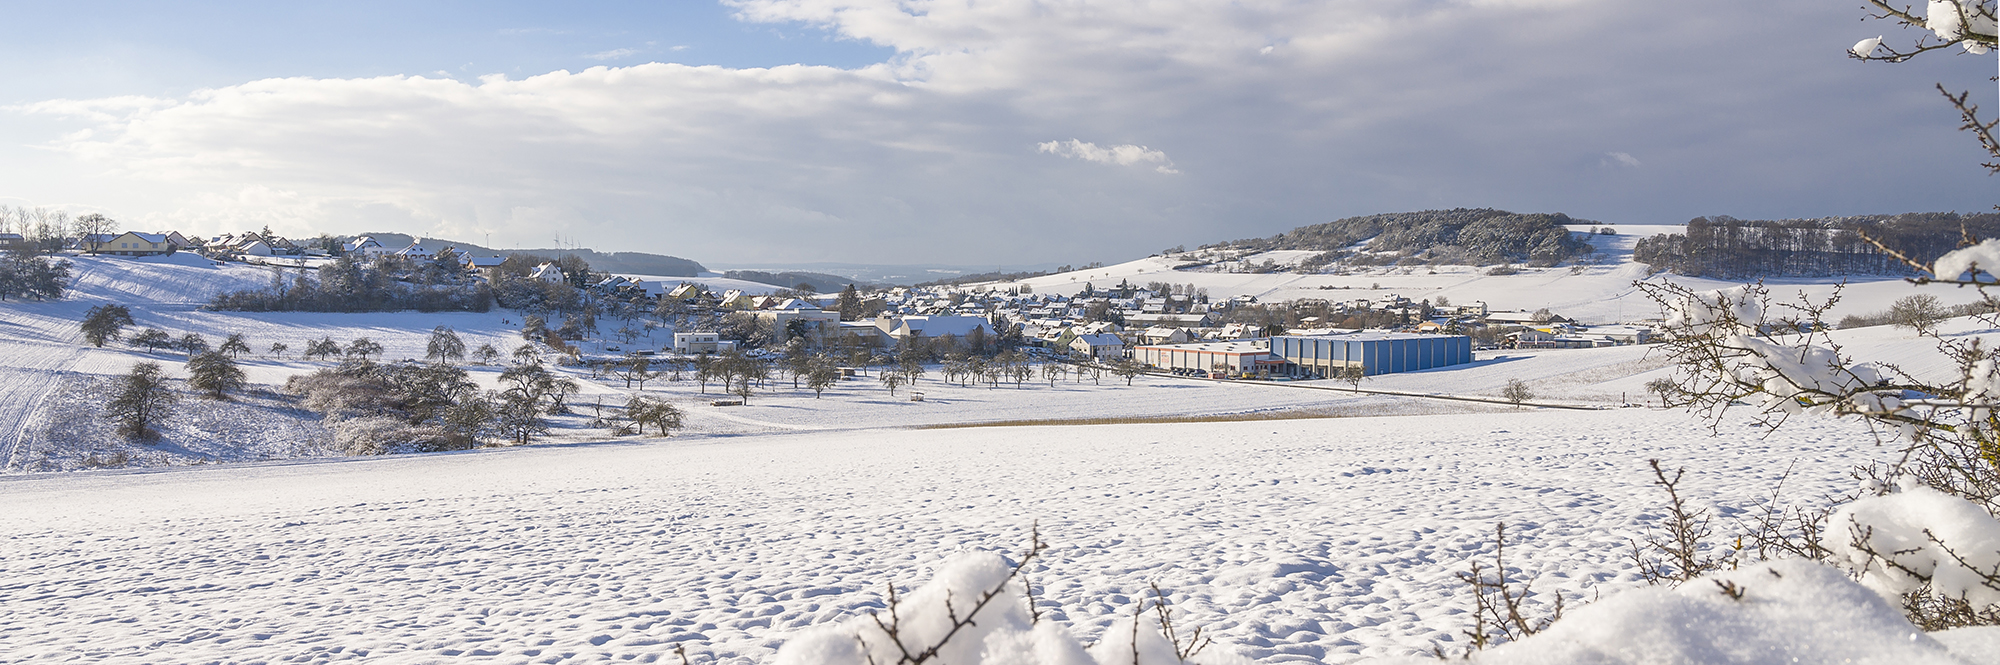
(416, 252)
(255, 247)
(934, 327)
(685, 291)
(1102, 346)
(702, 342)
(547, 272)
(179, 241)
(816, 324)
(12, 241)
(481, 262)
(735, 299)
(1241, 331)
(133, 243)
(1163, 335)
(365, 246)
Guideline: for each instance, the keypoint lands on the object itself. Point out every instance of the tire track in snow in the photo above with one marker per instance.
(25, 385)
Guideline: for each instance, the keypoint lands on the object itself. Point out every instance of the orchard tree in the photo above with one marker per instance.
(153, 339)
(234, 345)
(192, 344)
(214, 373)
(141, 399)
(278, 350)
(643, 411)
(105, 323)
(445, 345)
(364, 347)
(323, 347)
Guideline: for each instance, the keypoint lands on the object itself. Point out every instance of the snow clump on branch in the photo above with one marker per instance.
(1899, 541)
(1980, 260)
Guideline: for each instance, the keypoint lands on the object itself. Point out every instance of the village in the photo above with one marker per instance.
(1161, 327)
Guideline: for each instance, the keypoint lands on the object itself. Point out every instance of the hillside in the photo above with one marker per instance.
(612, 262)
(1479, 237)
(1599, 290)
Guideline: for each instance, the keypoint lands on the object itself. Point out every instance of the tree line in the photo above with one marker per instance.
(1461, 236)
(1728, 248)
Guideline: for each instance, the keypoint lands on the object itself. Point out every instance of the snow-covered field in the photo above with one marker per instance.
(1289, 541)
(1324, 540)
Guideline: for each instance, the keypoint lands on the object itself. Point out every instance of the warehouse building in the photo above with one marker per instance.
(1375, 353)
(1248, 357)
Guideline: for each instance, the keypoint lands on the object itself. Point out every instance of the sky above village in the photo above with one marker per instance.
(971, 132)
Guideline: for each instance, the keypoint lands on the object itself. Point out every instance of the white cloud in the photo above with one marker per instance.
(1122, 155)
(1370, 107)
(613, 54)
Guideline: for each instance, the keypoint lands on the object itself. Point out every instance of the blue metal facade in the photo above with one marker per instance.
(1376, 353)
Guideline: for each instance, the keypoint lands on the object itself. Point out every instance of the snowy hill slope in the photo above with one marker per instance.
(1600, 293)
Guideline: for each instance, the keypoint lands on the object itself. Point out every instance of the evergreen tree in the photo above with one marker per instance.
(849, 304)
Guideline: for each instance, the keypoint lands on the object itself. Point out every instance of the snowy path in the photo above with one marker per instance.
(26, 382)
(1293, 541)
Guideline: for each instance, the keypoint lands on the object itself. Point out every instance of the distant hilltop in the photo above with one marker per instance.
(637, 263)
(1460, 236)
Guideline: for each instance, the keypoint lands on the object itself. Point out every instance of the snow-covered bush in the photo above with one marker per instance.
(1921, 546)
(975, 612)
(381, 435)
(1931, 547)
(1777, 612)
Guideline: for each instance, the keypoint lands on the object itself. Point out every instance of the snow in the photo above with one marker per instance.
(1288, 541)
(1866, 47)
(1898, 541)
(1787, 612)
(1983, 257)
(1327, 540)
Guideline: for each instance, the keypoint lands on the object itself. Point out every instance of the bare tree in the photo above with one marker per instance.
(91, 230)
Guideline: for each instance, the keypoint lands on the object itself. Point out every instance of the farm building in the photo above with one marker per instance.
(1235, 358)
(1375, 353)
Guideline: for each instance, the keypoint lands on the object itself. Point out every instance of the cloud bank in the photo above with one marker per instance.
(1279, 111)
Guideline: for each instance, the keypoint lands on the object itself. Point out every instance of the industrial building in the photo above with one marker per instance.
(1375, 353)
(1249, 357)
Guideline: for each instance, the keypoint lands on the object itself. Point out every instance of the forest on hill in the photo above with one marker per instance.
(1462, 236)
(632, 263)
(1728, 248)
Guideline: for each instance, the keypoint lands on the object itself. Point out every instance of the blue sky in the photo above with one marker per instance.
(950, 131)
(86, 48)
